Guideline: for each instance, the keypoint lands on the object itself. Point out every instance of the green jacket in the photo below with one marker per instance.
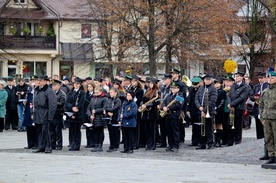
(3, 100)
(267, 104)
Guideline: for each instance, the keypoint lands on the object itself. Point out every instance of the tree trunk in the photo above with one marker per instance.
(151, 43)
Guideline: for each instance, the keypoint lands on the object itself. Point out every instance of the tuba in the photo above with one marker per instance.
(187, 82)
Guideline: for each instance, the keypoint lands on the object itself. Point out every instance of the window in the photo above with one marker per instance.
(20, 1)
(33, 68)
(85, 31)
(2, 28)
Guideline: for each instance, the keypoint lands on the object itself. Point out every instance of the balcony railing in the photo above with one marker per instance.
(27, 42)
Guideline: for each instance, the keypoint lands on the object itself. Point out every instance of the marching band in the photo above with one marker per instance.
(140, 110)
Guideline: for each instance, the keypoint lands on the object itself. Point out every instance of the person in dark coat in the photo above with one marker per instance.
(149, 116)
(95, 111)
(173, 109)
(136, 87)
(238, 95)
(193, 111)
(20, 91)
(255, 97)
(74, 109)
(219, 115)
(11, 106)
(205, 101)
(128, 120)
(90, 137)
(57, 124)
(112, 110)
(28, 121)
(44, 108)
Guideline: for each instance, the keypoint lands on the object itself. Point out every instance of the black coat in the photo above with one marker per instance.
(113, 105)
(139, 93)
(44, 105)
(75, 99)
(28, 121)
(212, 96)
(61, 99)
(97, 103)
(19, 89)
(175, 108)
(152, 112)
(191, 107)
(12, 100)
(257, 90)
(238, 96)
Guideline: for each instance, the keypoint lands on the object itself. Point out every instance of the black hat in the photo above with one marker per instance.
(240, 73)
(261, 74)
(88, 78)
(167, 76)
(136, 77)
(33, 77)
(132, 93)
(175, 84)
(78, 80)
(142, 81)
(207, 76)
(98, 79)
(173, 70)
(66, 79)
(10, 78)
(44, 78)
(228, 77)
(128, 77)
(218, 80)
(55, 81)
(154, 80)
(117, 81)
(147, 79)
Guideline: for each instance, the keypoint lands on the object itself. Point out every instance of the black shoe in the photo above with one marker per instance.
(97, 150)
(237, 142)
(58, 148)
(34, 147)
(270, 161)
(39, 151)
(14, 128)
(169, 148)
(124, 151)
(48, 151)
(27, 147)
(1, 130)
(174, 149)
(136, 147)
(201, 147)
(229, 144)
(111, 150)
(264, 157)
(7, 128)
(129, 152)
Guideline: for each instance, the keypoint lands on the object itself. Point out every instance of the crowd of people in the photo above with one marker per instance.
(140, 112)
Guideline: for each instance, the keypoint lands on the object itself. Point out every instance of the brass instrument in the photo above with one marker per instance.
(177, 99)
(232, 118)
(203, 124)
(203, 119)
(207, 104)
(187, 82)
(140, 109)
(214, 124)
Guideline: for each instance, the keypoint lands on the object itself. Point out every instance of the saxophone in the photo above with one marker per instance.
(140, 109)
(164, 113)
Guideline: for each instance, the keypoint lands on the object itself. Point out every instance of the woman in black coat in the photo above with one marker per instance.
(74, 108)
(150, 115)
(95, 112)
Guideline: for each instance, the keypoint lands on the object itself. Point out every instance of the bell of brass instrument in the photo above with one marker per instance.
(187, 82)
(232, 118)
(140, 109)
(207, 104)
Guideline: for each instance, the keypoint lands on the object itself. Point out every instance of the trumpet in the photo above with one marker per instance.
(232, 118)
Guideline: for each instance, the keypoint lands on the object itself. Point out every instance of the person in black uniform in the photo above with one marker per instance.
(173, 109)
(255, 97)
(74, 108)
(165, 91)
(11, 106)
(112, 109)
(238, 95)
(176, 75)
(205, 101)
(136, 87)
(149, 115)
(44, 109)
(89, 130)
(95, 111)
(28, 121)
(57, 124)
(219, 115)
(192, 110)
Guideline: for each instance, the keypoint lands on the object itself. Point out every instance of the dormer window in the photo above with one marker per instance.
(19, 1)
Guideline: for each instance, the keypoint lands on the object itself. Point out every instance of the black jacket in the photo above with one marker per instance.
(191, 107)
(257, 90)
(76, 99)
(19, 89)
(212, 96)
(98, 103)
(113, 105)
(238, 96)
(220, 101)
(61, 99)
(139, 93)
(11, 103)
(44, 105)
(175, 108)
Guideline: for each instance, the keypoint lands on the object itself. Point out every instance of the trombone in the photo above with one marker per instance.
(232, 118)
(203, 119)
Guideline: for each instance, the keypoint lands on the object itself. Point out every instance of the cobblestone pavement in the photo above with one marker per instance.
(238, 163)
